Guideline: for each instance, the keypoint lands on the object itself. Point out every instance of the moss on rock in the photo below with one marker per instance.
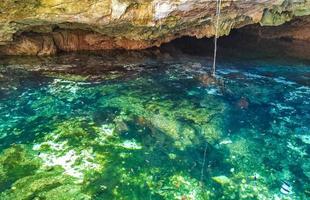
(16, 162)
(45, 185)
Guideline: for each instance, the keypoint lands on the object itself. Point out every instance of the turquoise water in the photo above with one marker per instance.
(154, 127)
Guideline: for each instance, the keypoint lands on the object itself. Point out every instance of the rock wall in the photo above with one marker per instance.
(43, 27)
(297, 29)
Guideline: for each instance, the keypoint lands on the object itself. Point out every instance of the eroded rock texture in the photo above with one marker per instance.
(297, 29)
(43, 27)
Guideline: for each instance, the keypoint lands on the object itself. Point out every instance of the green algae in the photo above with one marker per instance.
(274, 17)
(16, 162)
(75, 132)
(45, 185)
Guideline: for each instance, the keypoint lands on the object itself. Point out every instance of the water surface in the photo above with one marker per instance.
(153, 125)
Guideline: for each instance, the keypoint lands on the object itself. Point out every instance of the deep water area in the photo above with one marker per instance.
(154, 125)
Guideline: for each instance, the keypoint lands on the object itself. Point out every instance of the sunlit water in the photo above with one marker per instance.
(155, 129)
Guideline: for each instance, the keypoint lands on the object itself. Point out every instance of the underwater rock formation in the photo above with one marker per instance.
(42, 27)
(99, 126)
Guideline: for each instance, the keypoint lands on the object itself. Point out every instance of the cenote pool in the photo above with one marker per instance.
(154, 125)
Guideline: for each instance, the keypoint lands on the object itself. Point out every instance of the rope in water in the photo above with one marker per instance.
(218, 13)
(203, 164)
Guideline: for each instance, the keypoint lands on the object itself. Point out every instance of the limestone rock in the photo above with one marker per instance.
(30, 45)
(297, 29)
(103, 24)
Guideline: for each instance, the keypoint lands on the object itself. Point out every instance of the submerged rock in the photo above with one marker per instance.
(222, 180)
(146, 137)
(46, 185)
(15, 163)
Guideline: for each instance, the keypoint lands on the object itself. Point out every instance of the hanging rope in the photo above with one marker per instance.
(218, 13)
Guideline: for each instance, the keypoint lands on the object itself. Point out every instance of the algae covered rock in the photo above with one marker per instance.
(45, 185)
(70, 146)
(22, 177)
(17, 162)
(54, 168)
(222, 180)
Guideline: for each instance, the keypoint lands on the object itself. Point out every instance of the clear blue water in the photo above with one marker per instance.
(154, 127)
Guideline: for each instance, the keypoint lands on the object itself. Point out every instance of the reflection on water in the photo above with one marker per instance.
(153, 125)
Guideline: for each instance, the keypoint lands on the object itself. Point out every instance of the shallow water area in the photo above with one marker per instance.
(154, 125)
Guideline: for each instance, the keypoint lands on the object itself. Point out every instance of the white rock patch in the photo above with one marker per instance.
(186, 5)
(131, 144)
(118, 9)
(163, 9)
(107, 129)
(68, 160)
